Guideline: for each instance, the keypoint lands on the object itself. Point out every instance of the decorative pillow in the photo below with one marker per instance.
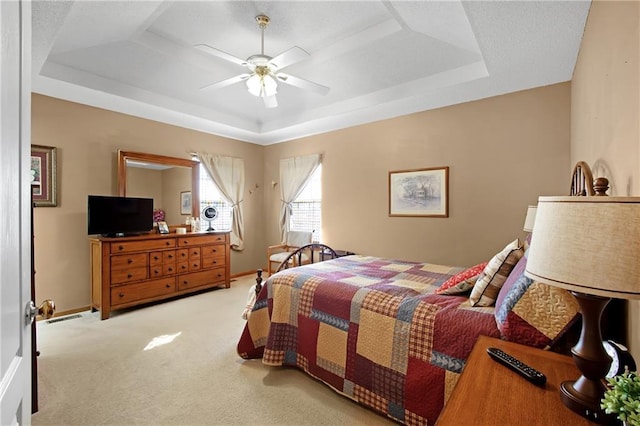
(462, 282)
(486, 289)
(533, 313)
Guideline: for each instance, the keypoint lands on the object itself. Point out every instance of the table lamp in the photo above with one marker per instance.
(591, 247)
(530, 219)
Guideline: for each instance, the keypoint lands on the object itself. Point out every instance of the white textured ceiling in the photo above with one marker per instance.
(380, 59)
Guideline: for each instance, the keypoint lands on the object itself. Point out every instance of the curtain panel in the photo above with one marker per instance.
(228, 175)
(295, 173)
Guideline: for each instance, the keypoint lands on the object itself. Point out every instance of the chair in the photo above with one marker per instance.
(295, 239)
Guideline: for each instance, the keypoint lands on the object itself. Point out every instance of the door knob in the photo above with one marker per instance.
(45, 310)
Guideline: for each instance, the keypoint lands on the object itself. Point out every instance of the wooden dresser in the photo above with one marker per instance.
(129, 271)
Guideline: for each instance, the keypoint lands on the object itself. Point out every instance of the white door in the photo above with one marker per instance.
(15, 200)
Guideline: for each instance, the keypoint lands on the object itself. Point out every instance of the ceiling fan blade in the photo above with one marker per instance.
(270, 101)
(220, 54)
(302, 83)
(289, 57)
(227, 82)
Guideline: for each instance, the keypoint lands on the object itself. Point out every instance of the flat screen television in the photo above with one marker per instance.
(119, 216)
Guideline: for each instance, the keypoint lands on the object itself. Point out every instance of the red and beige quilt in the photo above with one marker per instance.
(371, 328)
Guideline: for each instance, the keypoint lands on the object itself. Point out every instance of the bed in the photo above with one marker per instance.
(394, 335)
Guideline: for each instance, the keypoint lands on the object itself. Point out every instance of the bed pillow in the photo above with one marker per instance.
(486, 289)
(463, 281)
(533, 313)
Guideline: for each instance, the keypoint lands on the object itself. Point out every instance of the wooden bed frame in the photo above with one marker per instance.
(323, 252)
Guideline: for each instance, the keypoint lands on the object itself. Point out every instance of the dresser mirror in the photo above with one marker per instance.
(168, 180)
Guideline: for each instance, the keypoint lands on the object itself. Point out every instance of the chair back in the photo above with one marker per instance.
(299, 238)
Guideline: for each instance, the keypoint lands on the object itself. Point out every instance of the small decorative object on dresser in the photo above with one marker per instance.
(163, 228)
(130, 271)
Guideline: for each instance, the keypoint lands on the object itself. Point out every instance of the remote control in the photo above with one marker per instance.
(532, 375)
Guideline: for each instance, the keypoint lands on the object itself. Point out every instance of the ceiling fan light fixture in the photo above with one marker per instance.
(262, 85)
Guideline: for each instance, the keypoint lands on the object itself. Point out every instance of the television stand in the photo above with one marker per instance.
(130, 271)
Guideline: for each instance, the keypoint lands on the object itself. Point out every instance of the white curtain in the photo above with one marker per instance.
(295, 173)
(228, 174)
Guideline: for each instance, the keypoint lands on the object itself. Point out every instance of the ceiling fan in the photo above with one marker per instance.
(265, 71)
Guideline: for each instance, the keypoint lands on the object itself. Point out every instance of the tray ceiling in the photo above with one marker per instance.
(380, 59)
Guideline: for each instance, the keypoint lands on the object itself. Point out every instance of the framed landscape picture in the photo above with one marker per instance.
(419, 192)
(43, 175)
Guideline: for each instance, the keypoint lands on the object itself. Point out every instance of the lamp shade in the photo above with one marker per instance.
(530, 219)
(588, 245)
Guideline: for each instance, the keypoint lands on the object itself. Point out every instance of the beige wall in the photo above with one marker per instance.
(87, 140)
(503, 153)
(605, 105)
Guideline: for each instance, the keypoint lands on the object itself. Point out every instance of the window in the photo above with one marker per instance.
(306, 209)
(210, 196)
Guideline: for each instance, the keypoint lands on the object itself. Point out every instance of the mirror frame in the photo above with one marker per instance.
(123, 156)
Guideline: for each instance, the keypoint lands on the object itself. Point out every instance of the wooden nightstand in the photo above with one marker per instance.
(490, 393)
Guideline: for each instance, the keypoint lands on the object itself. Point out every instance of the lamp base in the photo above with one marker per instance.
(587, 408)
(585, 394)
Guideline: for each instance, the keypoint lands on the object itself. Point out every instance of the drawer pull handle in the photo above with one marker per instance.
(155, 258)
(167, 243)
(168, 285)
(120, 248)
(121, 295)
(185, 282)
(155, 271)
(129, 261)
(170, 256)
(170, 269)
(186, 242)
(129, 275)
(195, 265)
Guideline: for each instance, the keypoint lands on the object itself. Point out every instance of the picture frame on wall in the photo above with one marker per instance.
(185, 202)
(419, 192)
(43, 175)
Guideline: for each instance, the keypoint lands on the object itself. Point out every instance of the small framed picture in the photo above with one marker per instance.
(43, 175)
(163, 228)
(185, 202)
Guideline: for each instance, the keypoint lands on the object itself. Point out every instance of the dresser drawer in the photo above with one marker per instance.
(202, 239)
(212, 261)
(182, 267)
(129, 275)
(139, 291)
(169, 269)
(213, 250)
(182, 255)
(169, 256)
(194, 264)
(156, 271)
(138, 260)
(129, 246)
(198, 279)
(155, 258)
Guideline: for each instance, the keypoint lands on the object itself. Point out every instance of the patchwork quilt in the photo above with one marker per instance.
(373, 329)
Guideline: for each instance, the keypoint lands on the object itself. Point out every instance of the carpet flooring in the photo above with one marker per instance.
(175, 363)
